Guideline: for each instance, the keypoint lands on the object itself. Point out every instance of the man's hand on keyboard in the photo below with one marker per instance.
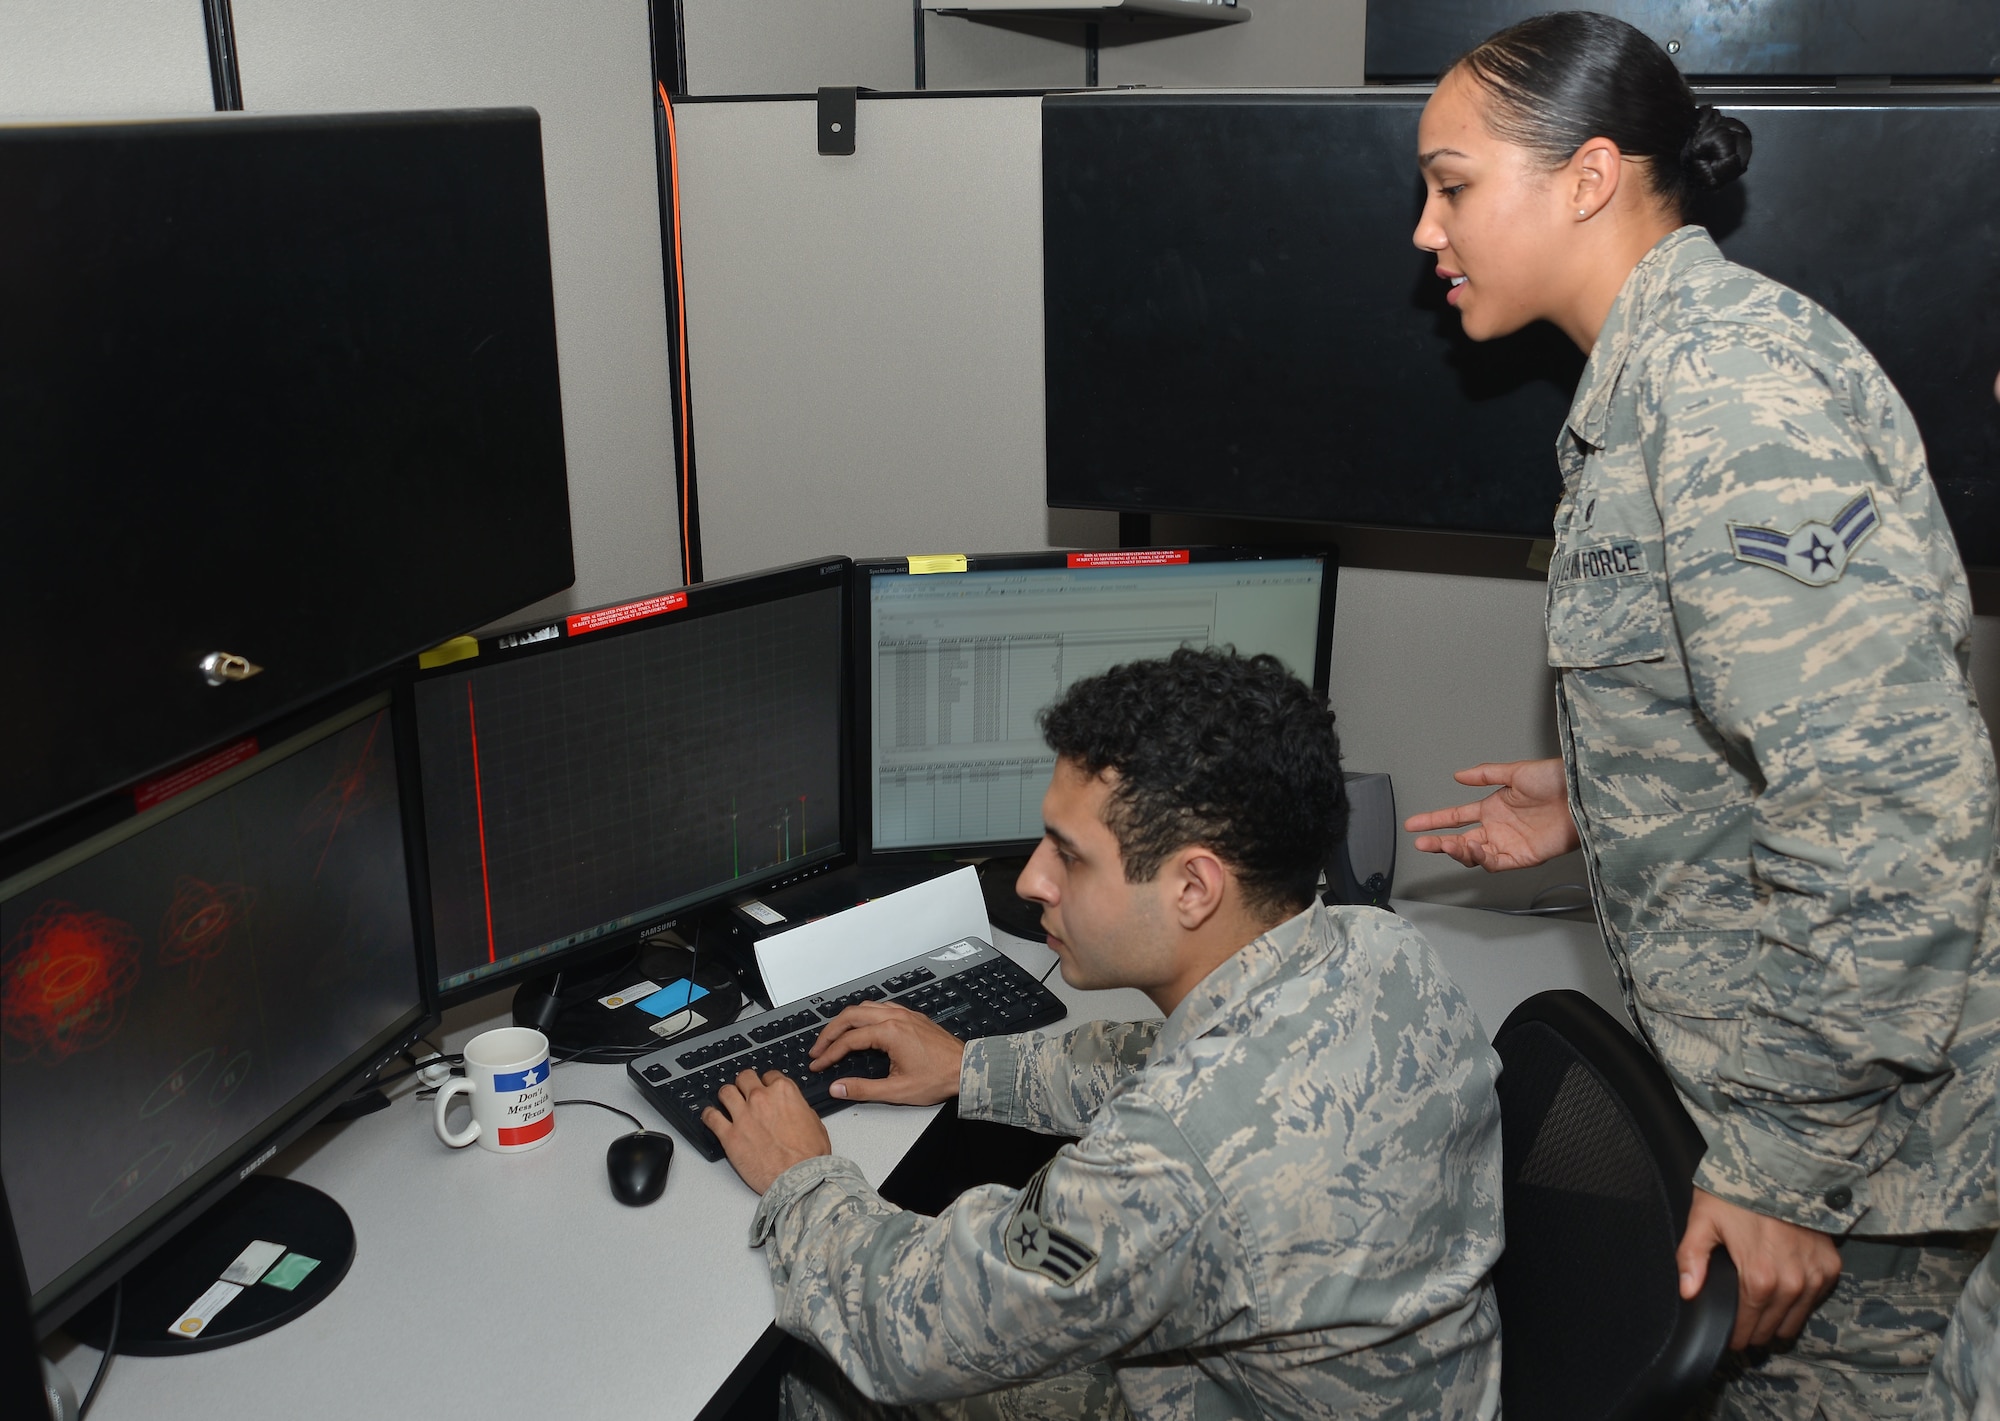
(924, 1058)
(765, 1127)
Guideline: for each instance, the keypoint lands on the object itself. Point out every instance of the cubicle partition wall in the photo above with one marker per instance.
(865, 331)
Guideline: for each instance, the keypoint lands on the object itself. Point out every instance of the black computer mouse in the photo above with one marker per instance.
(637, 1164)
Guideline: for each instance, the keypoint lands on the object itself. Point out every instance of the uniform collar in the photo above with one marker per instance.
(1281, 951)
(1637, 310)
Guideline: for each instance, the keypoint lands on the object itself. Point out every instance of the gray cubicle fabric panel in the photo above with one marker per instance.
(795, 46)
(110, 58)
(586, 66)
(1285, 44)
(966, 53)
(865, 332)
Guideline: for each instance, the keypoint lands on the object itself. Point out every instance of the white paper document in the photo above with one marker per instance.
(872, 935)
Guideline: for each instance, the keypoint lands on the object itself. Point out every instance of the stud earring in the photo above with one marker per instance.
(1581, 213)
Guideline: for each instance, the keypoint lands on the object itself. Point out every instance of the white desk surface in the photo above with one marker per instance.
(498, 1287)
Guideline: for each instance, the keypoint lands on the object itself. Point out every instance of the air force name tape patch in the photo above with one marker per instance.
(1035, 1245)
(1815, 553)
(1622, 558)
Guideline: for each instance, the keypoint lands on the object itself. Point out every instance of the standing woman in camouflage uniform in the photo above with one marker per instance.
(1772, 757)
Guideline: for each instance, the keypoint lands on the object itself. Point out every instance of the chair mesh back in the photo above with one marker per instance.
(1588, 1289)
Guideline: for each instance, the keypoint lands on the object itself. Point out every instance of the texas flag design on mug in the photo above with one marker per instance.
(531, 1106)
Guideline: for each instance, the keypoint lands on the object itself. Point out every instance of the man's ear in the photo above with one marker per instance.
(1201, 882)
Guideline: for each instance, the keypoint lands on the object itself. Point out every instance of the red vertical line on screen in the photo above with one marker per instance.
(479, 811)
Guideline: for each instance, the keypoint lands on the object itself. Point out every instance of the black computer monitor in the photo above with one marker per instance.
(954, 666)
(194, 973)
(289, 383)
(1238, 324)
(589, 781)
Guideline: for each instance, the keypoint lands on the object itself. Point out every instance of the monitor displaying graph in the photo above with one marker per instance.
(177, 989)
(608, 778)
(959, 666)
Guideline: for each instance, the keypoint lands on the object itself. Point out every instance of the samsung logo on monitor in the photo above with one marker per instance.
(252, 1167)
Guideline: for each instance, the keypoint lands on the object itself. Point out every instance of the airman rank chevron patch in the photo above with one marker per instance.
(1815, 553)
(1035, 1245)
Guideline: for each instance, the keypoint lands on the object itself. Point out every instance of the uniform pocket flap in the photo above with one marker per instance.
(1706, 973)
(1602, 616)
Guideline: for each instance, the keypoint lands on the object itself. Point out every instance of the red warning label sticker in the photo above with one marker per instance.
(581, 622)
(180, 781)
(1131, 557)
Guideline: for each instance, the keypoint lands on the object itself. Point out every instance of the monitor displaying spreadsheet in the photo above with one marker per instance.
(957, 666)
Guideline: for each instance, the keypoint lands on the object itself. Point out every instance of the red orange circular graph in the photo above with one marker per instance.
(197, 923)
(64, 981)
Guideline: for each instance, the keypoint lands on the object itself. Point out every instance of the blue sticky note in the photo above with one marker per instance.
(675, 996)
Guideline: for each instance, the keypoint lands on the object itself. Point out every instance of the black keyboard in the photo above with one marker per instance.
(969, 987)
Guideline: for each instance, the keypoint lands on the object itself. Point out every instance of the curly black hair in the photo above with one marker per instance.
(1209, 747)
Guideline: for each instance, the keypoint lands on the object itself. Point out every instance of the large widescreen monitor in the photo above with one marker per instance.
(591, 779)
(956, 666)
(285, 384)
(1237, 322)
(193, 974)
(1761, 40)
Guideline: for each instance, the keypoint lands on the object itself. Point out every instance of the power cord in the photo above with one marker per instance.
(110, 1346)
(1535, 911)
(418, 1068)
(637, 1123)
(606, 1055)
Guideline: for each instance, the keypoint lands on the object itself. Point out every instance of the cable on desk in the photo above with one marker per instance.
(409, 1055)
(637, 1123)
(110, 1346)
(605, 1055)
(441, 1059)
(1535, 911)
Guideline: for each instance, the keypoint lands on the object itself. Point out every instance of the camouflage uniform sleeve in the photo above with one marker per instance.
(1051, 1084)
(1005, 1285)
(1872, 836)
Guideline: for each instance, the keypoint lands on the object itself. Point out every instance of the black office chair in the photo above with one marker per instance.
(1600, 1161)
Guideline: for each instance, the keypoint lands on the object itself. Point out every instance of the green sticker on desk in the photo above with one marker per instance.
(290, 1271)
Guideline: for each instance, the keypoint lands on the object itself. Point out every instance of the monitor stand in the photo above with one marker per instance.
(1004, 908)
(262, 1208)
(569, 1006)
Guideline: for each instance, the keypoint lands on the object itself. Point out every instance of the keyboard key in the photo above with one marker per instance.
(771, 1030)
(835, 1007)
(711, 1051)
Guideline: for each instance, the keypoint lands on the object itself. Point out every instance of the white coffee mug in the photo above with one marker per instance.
(507, 1076)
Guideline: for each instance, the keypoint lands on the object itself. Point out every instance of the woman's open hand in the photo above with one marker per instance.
(1525, 822)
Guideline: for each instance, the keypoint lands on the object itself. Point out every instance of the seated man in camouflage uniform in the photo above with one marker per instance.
(1285, 1200)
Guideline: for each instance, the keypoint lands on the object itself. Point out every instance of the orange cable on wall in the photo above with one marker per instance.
(681, 323)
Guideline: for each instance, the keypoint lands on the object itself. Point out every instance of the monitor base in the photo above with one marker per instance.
(1004, 908)
(568, 1007)
(157, 1292)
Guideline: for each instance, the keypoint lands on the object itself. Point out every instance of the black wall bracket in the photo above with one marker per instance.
(836, 121)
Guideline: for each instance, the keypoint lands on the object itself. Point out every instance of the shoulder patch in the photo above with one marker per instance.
(1815, 553)
(1035, 1246)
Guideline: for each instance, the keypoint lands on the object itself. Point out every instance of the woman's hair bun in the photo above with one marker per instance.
(1718, 151)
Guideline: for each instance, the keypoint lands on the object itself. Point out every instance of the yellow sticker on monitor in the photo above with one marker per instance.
(459, 648)
(938, 562)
